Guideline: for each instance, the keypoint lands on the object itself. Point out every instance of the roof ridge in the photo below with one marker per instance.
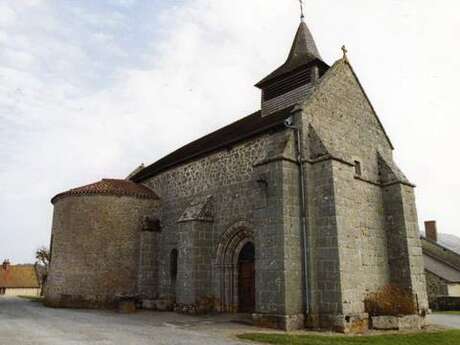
(231, 134)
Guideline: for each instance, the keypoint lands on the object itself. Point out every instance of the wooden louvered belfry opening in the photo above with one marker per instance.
(288, 83)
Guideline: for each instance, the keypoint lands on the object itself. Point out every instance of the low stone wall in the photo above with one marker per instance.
(446, 303)
(409, 322)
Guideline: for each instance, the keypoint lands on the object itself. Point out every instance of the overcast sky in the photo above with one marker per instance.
(91, 89)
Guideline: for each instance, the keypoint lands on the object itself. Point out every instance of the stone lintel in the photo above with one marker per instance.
(351, 164)
(328, 157)
(404, 183)
(275, 159)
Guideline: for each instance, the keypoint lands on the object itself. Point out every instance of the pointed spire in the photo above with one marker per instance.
(304, 45)
(303, 51)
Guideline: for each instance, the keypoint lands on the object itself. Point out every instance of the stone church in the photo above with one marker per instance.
(292, 214)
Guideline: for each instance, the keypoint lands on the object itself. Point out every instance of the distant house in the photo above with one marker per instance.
(19, 280)
(442, 267)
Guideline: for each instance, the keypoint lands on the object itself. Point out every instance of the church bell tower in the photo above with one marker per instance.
(294, 80)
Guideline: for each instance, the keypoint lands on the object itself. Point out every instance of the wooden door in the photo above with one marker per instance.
(246, 287)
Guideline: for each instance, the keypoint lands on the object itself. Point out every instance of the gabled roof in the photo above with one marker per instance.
(20, 276)
(303, 52)
(441, 269)
(238, 131)
(110, 187)
(438, 251)
(330, 73)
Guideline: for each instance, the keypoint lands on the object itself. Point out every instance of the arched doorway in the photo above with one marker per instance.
(236, 243)
(246, 279)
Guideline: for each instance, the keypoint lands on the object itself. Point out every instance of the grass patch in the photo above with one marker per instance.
(451, 337)
(32, 298)
(449, 312)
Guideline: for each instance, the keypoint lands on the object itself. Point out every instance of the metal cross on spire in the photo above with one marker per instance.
(302, 16)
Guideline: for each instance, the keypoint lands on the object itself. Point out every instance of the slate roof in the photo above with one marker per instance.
(238, 131)
(441, 269)
(441, 261)
(19, 276)
(110, 187)
(303, 52)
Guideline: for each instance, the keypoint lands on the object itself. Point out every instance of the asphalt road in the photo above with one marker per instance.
(23, 322)
(446, 320)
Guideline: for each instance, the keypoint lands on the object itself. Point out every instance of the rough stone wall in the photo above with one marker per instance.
(256, 183)
(435, 287)
(325, 281)
(361, 237)
(346, 211)
(194, 265)
(228, 176)
(95, 249)
(404, 247)
(148, 264)
(280, 293)
(343, 118)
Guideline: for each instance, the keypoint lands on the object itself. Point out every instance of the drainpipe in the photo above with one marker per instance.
(289, 123)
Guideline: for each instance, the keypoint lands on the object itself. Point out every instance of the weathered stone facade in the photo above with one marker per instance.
(313, 187)
(95, 249)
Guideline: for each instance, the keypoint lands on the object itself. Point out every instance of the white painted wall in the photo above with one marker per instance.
(22, 292)
(453, 290)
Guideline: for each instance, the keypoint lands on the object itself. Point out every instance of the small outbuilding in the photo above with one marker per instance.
(442, 270)
(19, 280)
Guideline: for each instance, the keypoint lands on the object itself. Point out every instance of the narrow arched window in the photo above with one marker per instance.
(173, 268)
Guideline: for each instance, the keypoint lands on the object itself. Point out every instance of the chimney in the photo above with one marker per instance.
(6, 264)
(431, 232)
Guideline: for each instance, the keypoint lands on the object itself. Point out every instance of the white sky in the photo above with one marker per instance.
(92, 89)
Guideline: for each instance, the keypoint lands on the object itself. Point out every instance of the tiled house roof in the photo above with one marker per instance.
(110, 187)
(21, 276)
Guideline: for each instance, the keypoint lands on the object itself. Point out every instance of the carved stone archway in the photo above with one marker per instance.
(230, 245)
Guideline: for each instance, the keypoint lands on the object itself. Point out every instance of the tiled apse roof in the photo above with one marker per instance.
(19, 277)
(245, 128)
(110, 187)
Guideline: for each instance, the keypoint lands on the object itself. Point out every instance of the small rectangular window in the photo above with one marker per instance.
(358, 168)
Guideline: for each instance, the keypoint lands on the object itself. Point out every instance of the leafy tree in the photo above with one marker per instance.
(42, 264)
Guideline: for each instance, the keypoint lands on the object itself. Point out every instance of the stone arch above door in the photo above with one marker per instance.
(230, 245)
